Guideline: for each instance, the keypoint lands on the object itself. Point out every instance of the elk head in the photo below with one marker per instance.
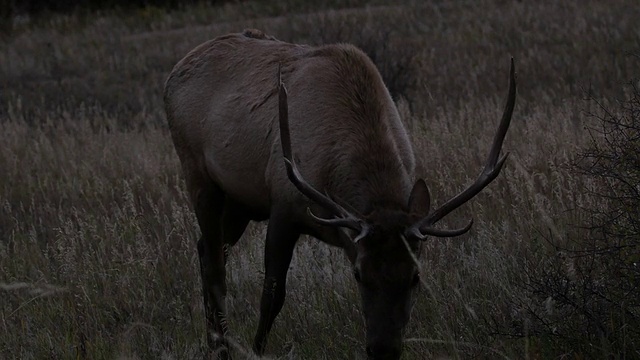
(387, 242)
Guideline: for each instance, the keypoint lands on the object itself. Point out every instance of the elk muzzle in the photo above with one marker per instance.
(386, 315)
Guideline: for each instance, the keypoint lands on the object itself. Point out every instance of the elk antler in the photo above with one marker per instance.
(343, 218)
(493, 165)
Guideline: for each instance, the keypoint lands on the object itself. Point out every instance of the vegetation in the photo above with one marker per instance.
(592, 282)
(97, 239)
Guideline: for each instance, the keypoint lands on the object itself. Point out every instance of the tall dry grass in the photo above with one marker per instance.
(97, 240)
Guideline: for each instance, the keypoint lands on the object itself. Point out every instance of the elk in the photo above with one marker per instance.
(327, 156)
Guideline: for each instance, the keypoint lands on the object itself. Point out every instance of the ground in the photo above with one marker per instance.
(97, 238)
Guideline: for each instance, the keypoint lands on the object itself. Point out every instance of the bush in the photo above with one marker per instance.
(586, 298)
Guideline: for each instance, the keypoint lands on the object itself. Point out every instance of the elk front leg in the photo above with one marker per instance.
(281, 240)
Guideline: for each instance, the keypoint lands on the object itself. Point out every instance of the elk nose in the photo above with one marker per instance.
(383, 352)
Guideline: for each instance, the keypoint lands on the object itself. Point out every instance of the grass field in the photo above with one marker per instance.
(97, 238)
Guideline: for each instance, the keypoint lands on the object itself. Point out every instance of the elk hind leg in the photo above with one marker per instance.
(234, 222)
(208, 201)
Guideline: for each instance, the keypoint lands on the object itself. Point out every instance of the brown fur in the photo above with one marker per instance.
(226, 112)
(348, 136)
(221, 103)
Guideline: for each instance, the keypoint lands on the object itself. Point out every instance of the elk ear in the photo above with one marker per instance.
(420, 199)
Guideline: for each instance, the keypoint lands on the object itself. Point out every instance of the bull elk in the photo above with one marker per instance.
(329, 158)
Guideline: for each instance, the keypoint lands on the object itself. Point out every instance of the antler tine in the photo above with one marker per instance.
(363, 229)
(491, 170)
(504, 122)
(419, 234)
(343, 217)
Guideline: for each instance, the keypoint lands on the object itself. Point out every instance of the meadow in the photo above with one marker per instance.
(98, 252)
